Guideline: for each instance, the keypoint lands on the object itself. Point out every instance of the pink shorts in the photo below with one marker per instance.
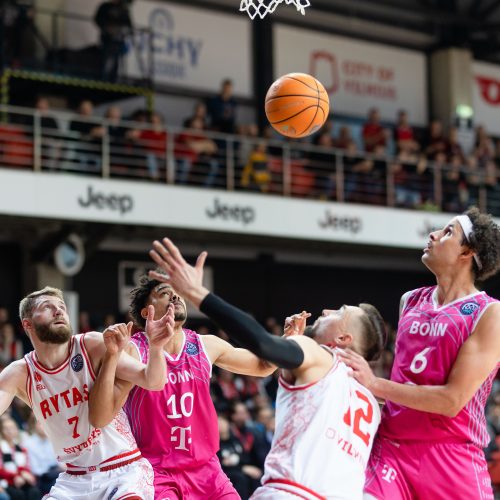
(409, 470)
(205, 482)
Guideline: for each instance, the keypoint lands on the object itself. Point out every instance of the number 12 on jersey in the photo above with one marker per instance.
(360, 415)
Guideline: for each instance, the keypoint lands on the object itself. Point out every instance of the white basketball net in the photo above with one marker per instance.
(263, 7)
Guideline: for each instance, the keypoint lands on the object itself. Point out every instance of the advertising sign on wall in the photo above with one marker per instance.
(486, 96)
(23, 194)
(189, 47)
(357, 75)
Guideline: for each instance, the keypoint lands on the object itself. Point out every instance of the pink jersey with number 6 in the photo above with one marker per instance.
(428, 340)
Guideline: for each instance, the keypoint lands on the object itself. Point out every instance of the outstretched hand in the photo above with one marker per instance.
(161, 331)
(186, 280)
(296, 324)
(361, 370)
(116, 337)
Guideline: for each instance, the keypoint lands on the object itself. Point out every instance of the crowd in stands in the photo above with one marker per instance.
(370, 163)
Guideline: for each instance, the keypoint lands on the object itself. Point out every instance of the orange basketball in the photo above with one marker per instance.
(297, 105)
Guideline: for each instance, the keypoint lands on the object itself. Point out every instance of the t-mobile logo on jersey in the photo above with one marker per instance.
(388, 474)
(180, 435)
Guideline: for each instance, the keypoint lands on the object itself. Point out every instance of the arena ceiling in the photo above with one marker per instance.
(420, 24)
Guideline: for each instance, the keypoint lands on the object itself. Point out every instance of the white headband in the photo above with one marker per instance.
(468, 229)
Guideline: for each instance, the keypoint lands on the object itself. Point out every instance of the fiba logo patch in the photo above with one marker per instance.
(112, 494)
(191, 349)
(469, 308)
(38, 377)
(77, 362)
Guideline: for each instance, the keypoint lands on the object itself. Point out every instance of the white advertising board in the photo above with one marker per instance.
(192, 47)
(63, 197)
(357, 75)
(486, 96)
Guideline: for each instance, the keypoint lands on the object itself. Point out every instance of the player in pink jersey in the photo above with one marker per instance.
(177, 429)
(433, 425)
(325, 420)
(55, 380)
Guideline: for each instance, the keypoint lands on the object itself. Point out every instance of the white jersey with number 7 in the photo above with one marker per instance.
(323, 438)
(59, 399)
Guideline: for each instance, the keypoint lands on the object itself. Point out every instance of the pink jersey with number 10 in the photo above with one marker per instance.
(176, 428)
(428, 340)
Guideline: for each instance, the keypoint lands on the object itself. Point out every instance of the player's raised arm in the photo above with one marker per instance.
(153, 375)
(109, 394)
(241, 327)
(476, 359)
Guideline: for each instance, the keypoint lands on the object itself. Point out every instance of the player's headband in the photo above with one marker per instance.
(468, 229)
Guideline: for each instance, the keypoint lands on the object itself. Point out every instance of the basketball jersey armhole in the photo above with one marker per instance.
(138, 350)
(29, 381)
(480, 315)
(86, 356)
(202, 343)
(291, 387)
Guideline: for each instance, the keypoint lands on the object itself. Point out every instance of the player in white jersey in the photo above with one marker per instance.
(325, 420)
(56, 381)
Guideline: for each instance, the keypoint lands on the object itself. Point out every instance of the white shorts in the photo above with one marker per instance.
(289, 492)
(130, 482)
(268, 493)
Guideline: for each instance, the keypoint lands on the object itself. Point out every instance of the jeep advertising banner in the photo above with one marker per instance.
(357, 75)
(142, 204)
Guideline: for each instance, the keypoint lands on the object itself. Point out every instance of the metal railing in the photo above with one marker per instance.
(67, 142)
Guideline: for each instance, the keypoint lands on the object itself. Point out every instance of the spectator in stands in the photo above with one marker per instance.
(344, 140)
(256, 175)
(322, 164)
(90, 133)
(231, 458)
(153, 141)
(454, 183)
(11, 348)
(113, 19)
(404, 136)
(407, 179)
(14, 467)
(264, 432)
(455, 149)
(436, 142)
(42, 458)
(4, 316)
(249, 136)
(492, 183)
(199, 111)
(194, 147)
(49, 129)
(484, 148)
(373, 133)
(226, 381)
(84, 325)
(117, 132)
(497, 153)
(222, 109)
(242, 430)
(356, 170)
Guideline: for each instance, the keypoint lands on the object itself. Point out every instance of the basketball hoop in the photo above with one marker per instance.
(261, 8)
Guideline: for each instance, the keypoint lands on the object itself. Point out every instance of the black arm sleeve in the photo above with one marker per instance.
(243, 329)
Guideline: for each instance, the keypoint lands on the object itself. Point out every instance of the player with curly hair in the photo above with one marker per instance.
(433, 431)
